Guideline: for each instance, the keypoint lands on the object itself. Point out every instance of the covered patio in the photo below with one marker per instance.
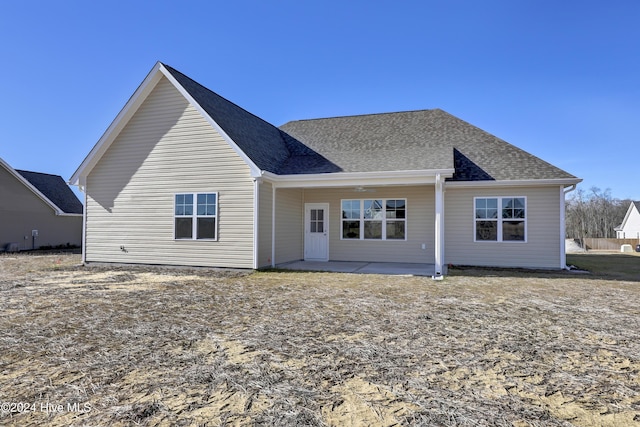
(358, 267)
(299, 242)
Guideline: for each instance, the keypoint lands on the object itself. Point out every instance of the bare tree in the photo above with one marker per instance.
(594, 214)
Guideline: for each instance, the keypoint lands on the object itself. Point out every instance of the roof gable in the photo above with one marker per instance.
(632, 206)
(51, 189)
(263, 146)
(430, 141)
(259, 140)
(55, 189)
(268, 147)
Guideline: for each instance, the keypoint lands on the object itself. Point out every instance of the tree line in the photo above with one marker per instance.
(594, 213)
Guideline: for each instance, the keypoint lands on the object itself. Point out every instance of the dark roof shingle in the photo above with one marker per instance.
(419, 140)
(267, 146)
(55, 189)
(412, 140)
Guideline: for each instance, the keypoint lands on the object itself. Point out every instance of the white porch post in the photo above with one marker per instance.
(563, 249)
(273, 225)
(256, 222)
(439, 225)
(83, 187)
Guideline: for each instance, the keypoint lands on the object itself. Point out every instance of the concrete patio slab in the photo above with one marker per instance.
(389, 268)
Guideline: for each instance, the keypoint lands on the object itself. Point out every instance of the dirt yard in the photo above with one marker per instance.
(144, 346)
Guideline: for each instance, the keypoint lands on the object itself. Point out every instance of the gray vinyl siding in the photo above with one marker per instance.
(420, 225)
(265, 230)
(167, 148)
(22, 211)
(289, 225)
(542, 248)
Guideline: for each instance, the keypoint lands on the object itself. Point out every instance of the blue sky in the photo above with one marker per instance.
(560, 79)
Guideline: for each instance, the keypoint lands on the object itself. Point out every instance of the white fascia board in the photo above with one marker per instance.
(626, 216)
(346, 179)
(255, 170)
(565, 182)
(123, 117)
(33, 189)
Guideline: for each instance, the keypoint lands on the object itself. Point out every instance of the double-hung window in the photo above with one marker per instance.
(374, 219)
(196, 216)
(500, 219)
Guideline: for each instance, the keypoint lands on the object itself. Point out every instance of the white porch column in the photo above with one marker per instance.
(256, 220)
(439, 225)
(563, 249)
(273, 225)
(83, 187)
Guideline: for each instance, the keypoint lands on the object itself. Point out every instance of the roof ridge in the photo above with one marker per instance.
(371, 114)
(39, 173)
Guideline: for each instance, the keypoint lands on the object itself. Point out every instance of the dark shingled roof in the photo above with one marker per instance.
(418, 140)
(55, 189)
(412, 140)
(266, 145)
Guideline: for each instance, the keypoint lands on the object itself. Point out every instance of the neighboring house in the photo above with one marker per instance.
(630, 227)
(37, 209)
(184, 177)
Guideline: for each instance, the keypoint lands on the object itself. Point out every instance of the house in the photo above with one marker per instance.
(183, 176)
(630, 227)
(37, 209)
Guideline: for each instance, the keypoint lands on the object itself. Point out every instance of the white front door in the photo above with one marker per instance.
(316, 231)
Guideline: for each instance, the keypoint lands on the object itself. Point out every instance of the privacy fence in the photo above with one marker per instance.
(608, 244)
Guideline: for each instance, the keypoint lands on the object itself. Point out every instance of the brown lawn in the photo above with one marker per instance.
(149, 346)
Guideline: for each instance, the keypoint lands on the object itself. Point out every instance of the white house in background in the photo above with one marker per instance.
(630, 227)
(185, 177)
(37, 209)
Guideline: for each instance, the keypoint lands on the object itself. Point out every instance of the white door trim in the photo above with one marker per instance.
(316, 245)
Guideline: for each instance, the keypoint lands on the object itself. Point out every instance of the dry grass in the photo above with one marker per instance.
(609, 264)
(143, 346)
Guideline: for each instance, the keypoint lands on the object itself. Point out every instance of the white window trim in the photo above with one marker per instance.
(499, 220)
(195, 216)
(383, 219)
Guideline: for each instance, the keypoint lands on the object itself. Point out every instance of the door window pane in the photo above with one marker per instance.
(316, 220)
